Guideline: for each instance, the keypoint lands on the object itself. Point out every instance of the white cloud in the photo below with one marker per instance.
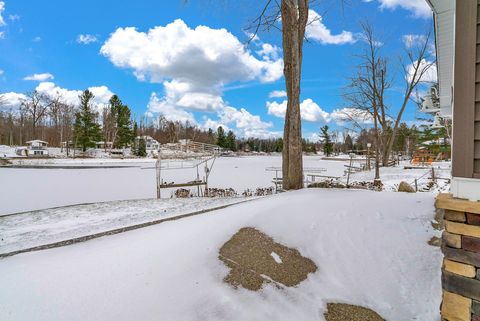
(351, 115)
(102, 95)
(269, 52)
(309, 110)
(162, 107)
(2, 35)
(37, 39)
(412, 40)
(277, 94)
(210, 57)
(86, 39)
(194, 65)
(11, 101)
(2, 9)
(1, 72)
(430, 76)
(40, 77)
(14, 17)
(242, 123)
(317, 30)
(419, 8)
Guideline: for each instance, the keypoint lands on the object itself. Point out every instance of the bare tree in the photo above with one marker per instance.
(414, 70)
(367, 87)
(67, 116)
(35, 106)
(370, 83)
(54, 115)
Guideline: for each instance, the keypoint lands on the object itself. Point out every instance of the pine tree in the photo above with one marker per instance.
(279, 145)
(230, 141)
(86, 130)
(221, 139)
(211, 136)
(123, 124)
(327, 142)
(142, 148)
(134, 136)
(348, 143)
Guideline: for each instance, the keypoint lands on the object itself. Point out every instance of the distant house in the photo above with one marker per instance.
(66, 144)
(103, 145)
(35, 148)
(150, 143)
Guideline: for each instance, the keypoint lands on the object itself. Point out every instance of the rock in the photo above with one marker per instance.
(405, 187)
(452, 240)
(435, 241)
(476, 307)
(463, 256)
(462, 229)
(473, 219)
(454, 216)
(459, 268)
(471, 243)
(455, 307)
(469, 288)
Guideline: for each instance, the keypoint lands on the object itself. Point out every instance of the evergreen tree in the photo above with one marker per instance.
(348, 143)
(142, 148)
(123, 124)
(279, 145)
(230, 141)
(86, 130)
(327, 142)
(134, 136)
(211, 136)
(221, 139)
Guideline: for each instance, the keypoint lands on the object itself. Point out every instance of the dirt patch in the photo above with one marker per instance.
(347, 312)
(254, 259)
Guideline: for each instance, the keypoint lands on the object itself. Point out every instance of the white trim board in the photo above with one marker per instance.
(467, 188)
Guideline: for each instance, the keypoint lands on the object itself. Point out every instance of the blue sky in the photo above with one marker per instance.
(185, 72)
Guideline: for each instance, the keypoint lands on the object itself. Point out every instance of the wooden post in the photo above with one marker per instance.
(416, 185)
(158, 165)
(349, 169)
(198, 186)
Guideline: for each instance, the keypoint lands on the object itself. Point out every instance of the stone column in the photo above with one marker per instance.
(461, 263)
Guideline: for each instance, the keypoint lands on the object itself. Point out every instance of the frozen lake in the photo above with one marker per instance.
(26, 189)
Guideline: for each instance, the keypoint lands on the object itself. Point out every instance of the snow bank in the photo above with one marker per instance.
(31, 229)
(370, 248)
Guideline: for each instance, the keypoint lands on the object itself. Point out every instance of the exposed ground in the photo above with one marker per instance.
(255, 258)
(347, 312)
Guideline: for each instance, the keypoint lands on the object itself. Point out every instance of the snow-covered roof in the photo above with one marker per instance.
(444, 11)
(36, 141)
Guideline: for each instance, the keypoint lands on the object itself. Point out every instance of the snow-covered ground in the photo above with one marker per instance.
(27, 230)
(392, 176)
(26, 189)
(370, 248)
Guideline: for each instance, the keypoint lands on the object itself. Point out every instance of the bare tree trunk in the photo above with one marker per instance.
(376, 181)
(294, 21)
